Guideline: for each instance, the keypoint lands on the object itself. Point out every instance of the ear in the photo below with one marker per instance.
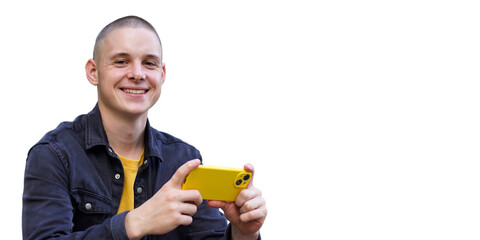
(91, 71)
(163, 74)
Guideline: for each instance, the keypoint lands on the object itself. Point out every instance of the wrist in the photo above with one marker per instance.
(133, 226)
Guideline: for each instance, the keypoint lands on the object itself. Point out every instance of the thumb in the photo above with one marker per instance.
(183, 171)
(230, 210)
(216, 204)
(249, 168)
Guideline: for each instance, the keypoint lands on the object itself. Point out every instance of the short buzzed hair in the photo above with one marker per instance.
(128, 21)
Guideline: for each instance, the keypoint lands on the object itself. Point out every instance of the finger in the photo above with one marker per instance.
(252, 204)
(249, 168)
(192, 196)
(247, 194)
(183, 171)
(188, 209)
(185, 219)
(257, 214)
(229, 208)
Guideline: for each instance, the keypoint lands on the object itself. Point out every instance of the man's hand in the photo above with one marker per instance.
(167, 209)
(247, 213)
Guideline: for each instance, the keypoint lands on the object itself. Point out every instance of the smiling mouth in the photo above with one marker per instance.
(134, 91)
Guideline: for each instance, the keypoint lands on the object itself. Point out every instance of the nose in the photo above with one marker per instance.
(136, 72)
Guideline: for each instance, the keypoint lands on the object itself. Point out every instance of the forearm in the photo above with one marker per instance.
(111, 229)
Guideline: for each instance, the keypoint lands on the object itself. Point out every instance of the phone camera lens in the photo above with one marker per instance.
(246, 177)
(238, 182)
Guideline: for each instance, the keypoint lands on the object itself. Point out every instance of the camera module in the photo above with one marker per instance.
(238, 182)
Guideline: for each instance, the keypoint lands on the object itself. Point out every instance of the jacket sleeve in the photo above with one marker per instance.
(208, 223)
(47, 206)
(228, 233)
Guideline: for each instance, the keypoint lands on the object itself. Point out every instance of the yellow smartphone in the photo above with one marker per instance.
(217, 183)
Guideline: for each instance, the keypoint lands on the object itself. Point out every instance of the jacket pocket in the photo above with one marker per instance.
(90, 209)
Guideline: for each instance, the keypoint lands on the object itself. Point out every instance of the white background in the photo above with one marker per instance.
(361, 117)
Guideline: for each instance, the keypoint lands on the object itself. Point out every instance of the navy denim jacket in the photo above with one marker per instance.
(74, 180)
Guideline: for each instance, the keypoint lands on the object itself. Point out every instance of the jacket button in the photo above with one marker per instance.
(117, 176)
(88, 206)
(139, 190)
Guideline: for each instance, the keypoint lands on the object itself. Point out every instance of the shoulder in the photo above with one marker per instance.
(168, 139)
(64, 131)
(49, 150)
(67, 135)
(166, 144)
(64, 144)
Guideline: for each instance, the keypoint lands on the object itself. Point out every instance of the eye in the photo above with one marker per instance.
(120, 62)
(151, 63)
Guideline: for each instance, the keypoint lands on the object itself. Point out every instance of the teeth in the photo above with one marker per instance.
(134, 91)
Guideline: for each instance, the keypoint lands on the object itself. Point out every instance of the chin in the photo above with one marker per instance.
(137, 110)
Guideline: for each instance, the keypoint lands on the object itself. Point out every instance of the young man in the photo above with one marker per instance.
(110, 175)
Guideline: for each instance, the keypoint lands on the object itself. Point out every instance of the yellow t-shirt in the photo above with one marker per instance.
(130, 169)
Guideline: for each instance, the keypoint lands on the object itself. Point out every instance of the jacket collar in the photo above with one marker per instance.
(94, 132)
(96, 136)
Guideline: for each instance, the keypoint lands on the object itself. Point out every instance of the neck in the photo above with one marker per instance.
(125, 133)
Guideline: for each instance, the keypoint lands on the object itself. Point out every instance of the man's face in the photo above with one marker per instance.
(130, 71)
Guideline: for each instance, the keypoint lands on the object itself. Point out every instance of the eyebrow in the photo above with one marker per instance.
(122, 54)
(153, 56)
(117, 55)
